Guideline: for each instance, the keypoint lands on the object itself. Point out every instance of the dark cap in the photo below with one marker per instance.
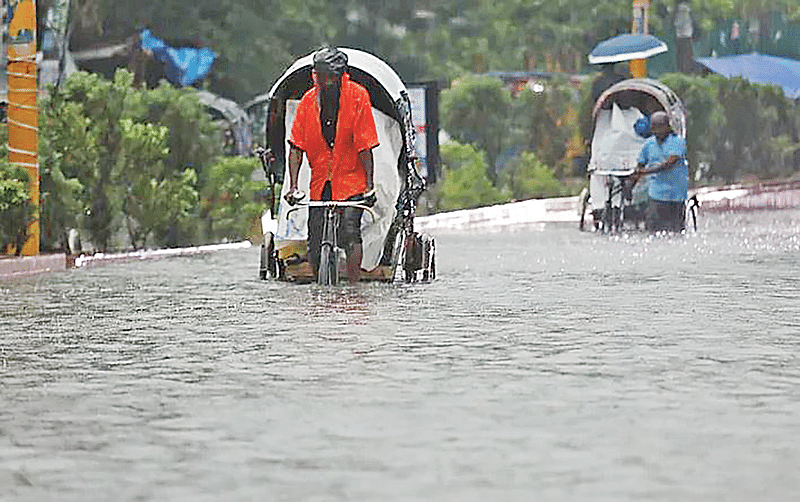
(659, 118)
(330, 60)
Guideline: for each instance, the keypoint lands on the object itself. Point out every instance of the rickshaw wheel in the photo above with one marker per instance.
(268, 263)
(584, 201)
(413, 256)
(429, 270)
(272, 259)
(328, 273)
(262, 263)
(432, 267)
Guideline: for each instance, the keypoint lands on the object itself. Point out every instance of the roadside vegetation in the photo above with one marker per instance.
(135, 167)
(535, 144)
(16, 210)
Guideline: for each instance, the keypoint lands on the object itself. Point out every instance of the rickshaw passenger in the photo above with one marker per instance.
(663, 157)
(334, 127)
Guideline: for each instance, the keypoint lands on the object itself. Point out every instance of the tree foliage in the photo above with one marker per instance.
(464, 180)
(81, 132)
(112, 154)
(230, 195)
(423, 39)
(547, 118)
(16, 210)
(527, 177)
(475, 111)
(738, 129)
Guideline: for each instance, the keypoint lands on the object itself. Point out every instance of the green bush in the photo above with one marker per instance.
(16, 210)
(476, 111)
(464, 183)
(230, 197)
(526, 177)
(737, 128)
(110, 152)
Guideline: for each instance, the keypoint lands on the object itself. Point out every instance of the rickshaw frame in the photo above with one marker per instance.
(402, 247)
(609, 209)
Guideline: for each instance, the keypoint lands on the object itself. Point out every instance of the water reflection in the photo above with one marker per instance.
(543, 363)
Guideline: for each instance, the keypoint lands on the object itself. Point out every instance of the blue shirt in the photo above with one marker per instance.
(670, 184)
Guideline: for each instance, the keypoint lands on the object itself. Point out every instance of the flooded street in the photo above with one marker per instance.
(543, 364)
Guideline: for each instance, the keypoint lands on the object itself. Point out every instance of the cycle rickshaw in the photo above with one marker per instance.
(612, 201)
(391, 246)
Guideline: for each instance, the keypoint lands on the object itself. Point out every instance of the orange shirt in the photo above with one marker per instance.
(355, 132)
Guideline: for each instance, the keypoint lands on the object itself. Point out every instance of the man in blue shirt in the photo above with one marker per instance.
(663, 158)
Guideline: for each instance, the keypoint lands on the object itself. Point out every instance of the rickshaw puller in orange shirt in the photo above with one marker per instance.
(335, 129)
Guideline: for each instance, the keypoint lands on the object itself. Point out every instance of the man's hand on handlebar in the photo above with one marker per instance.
(370, 198)
(294, 196)
(265, 154)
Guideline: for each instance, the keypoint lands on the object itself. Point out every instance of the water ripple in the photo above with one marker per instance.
(543, 363)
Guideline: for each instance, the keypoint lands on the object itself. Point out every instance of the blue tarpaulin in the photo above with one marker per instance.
(759, 69)
(183, 65)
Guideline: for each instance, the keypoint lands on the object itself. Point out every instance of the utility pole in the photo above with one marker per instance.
(23, 112)
(683, 37)
(640, 26)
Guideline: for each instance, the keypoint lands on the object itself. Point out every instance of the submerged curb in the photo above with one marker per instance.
(12, 267)
(740, 197)
(103, 258)
(527, 212)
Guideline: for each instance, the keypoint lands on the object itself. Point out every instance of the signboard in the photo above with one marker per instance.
(424, 99)
(641, 17)
(416, 94)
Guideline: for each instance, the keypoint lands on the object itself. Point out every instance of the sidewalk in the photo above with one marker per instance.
(739, 197)
(13, 266)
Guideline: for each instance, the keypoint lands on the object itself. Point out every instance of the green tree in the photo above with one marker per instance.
(703, 115)
(154, 199)
(16, 209)
(734, 148)
(779, 142)
(526, 177)
(114, 148)
(543, 118)
(90, 108)
(194, 141)
(475, 111)
(231, 195)
(68, 154)
(464, 182)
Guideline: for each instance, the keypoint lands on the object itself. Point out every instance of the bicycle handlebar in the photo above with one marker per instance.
(335, 204)
(619, 173)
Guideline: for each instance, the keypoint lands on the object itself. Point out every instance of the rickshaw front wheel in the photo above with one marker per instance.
(328, 267)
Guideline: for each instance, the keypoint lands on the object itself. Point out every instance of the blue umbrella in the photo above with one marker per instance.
(625, 48)
(759, 69)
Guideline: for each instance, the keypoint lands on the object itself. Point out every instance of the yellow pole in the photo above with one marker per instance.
(641, 22)
(22, 109)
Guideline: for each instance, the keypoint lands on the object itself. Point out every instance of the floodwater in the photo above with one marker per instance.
(543, 364)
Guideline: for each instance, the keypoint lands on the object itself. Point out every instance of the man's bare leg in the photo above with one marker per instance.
(354, 263)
